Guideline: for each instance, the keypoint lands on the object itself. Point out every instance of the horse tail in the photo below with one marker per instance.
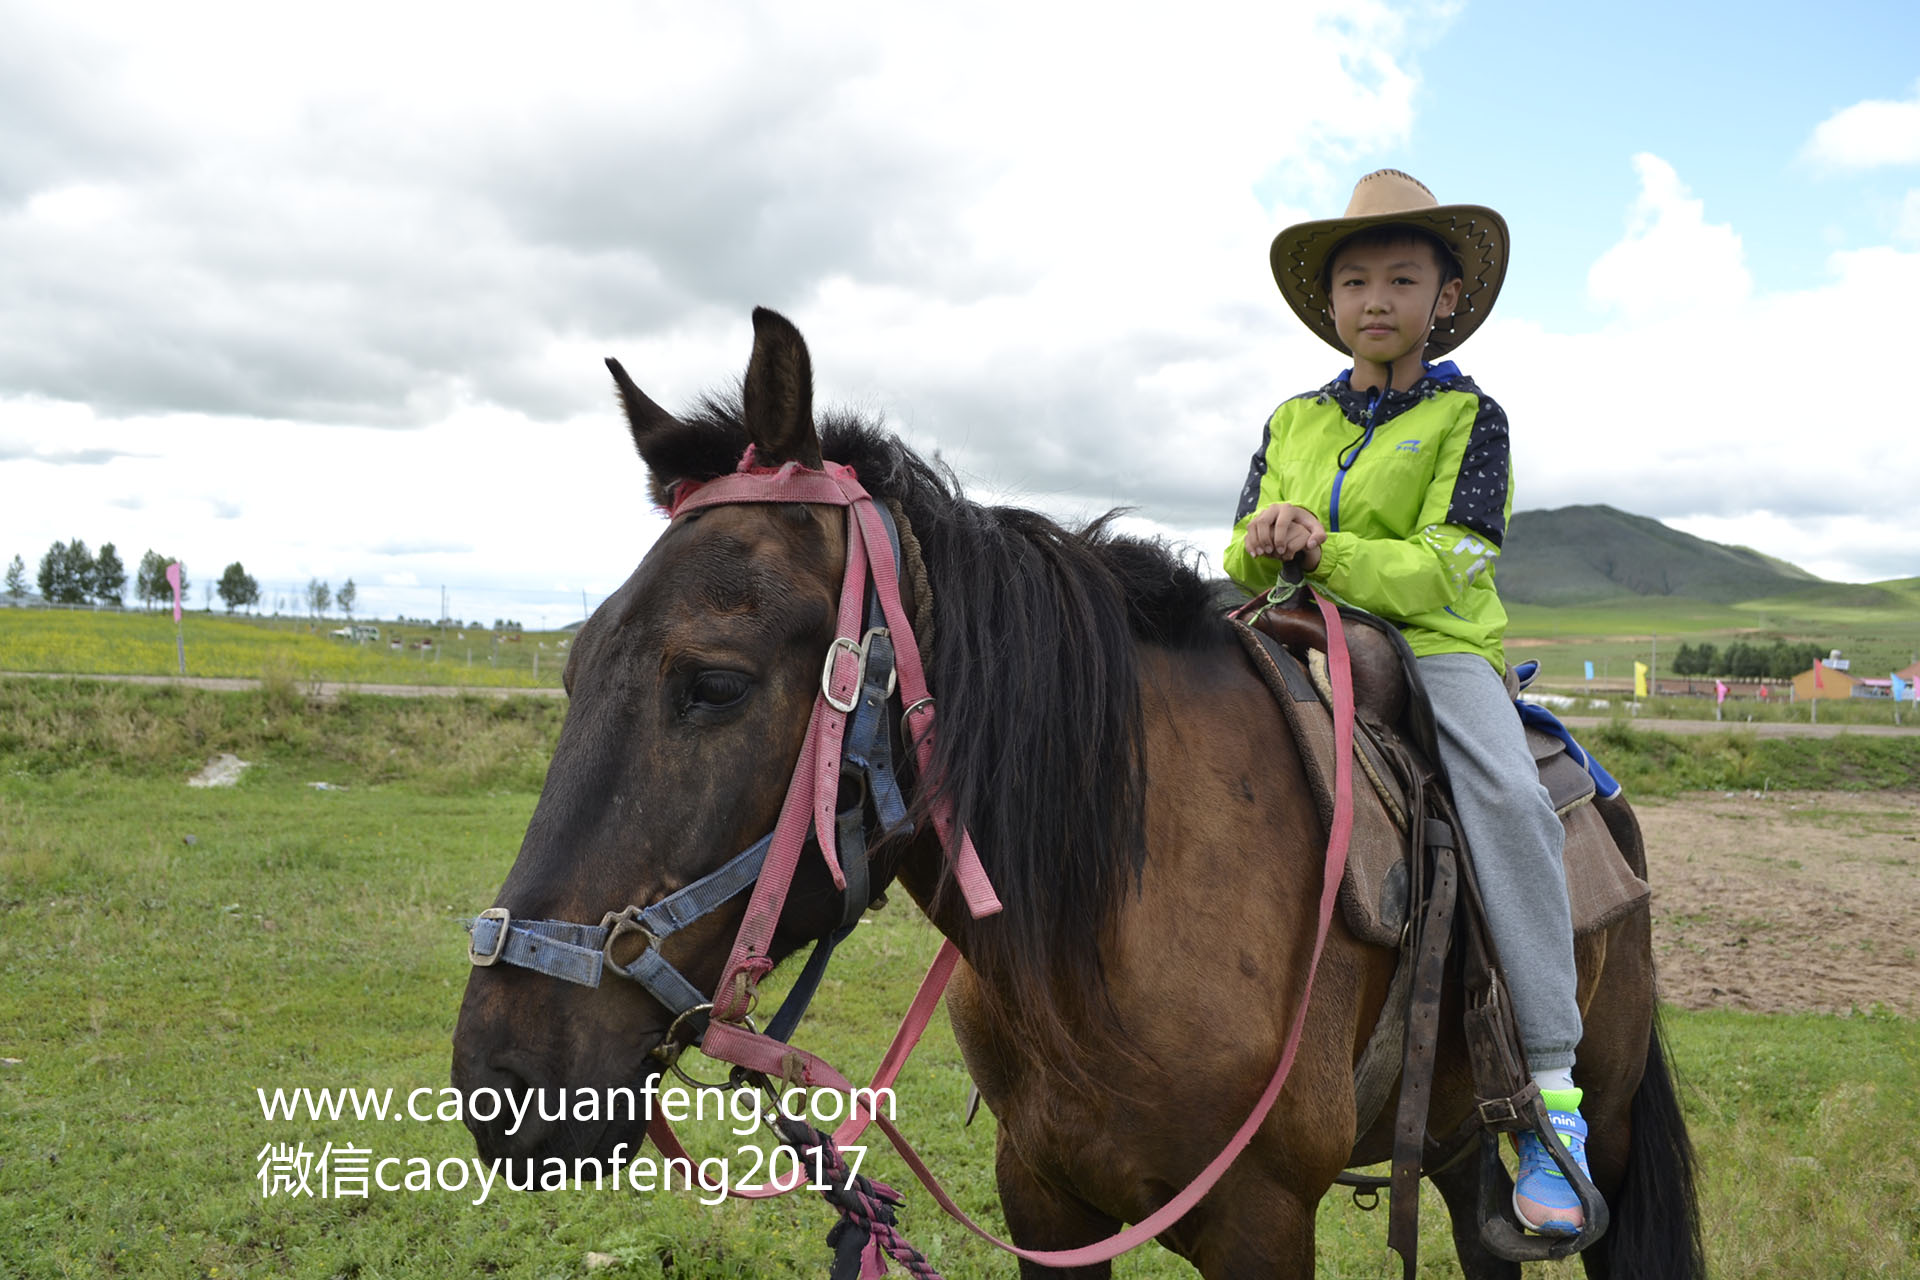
(1656, 1212)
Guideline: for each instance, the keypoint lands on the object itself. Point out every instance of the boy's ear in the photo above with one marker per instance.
(1449, 298)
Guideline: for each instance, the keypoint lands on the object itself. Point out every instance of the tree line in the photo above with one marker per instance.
(71, 573)
(1742, 661)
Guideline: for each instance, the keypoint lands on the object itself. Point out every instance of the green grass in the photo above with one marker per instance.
(82, 642)
(1879, 638)
(308, 937)
(1648, 762)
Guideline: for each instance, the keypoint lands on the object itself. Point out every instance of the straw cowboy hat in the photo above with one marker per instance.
(1476, 235)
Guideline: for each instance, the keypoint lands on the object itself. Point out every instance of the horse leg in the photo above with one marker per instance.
(1262, 1230)
(1041, 1216)
(1460, 1188)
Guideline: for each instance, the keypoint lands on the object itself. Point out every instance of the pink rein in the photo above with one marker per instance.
(809, 804)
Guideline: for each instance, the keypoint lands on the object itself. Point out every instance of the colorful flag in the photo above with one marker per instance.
(1639, 679)
(1819, 680)
(1901, 689)
(1589, 671)
(173, 577)
(1719, 691)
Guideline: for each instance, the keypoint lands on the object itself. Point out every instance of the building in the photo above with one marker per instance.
(1822, 681)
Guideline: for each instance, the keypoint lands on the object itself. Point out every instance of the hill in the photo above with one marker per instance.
(1587, 554)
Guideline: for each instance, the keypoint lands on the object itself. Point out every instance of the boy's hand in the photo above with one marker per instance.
(1283, 531)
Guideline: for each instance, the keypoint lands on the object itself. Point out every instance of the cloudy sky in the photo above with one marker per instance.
(325, 289)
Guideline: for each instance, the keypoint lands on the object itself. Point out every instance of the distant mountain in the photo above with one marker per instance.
(1583, 555)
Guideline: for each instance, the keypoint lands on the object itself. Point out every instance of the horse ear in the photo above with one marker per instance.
(646, 420)
(779, 393)
(673, 450)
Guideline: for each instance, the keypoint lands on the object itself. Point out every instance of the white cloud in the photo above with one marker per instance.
(1768, 416)
(1672, 259)
(1907, 227)
(1868, 135)
(1031, 235)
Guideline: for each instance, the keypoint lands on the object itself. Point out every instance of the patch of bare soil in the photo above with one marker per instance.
(1790, 901)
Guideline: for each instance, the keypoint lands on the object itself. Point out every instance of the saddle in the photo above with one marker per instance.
(1405, 874)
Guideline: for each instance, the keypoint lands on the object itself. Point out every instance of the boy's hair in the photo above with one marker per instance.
(1392, 233)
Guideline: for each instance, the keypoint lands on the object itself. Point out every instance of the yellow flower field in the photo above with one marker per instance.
(81, 642)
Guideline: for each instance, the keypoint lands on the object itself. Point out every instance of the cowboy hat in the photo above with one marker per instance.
(1476, 235)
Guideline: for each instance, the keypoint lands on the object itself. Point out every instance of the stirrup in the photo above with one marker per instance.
(1541, 1182)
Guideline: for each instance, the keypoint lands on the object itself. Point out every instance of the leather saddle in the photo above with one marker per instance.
(1398, 752)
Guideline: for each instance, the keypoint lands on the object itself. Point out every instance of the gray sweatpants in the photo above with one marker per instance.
(1516, 841)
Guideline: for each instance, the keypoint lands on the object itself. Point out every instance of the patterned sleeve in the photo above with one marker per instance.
(1479, 498)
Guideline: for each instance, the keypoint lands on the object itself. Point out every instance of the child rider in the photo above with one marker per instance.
(1391, 486)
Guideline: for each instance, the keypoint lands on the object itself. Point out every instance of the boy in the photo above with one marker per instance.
(1391, 487)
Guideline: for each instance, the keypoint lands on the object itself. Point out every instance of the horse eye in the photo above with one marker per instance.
(718, 690)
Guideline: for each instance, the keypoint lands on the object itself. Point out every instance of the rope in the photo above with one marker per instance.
(867, 1209)
(914, 568)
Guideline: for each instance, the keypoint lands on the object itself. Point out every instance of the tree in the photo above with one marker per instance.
(238, 588)
(150, 579)
(109, 575)
(1685, 662)
(66, 573)
(319, 597)
(348, 596)
(1746, 661)
(17, 578)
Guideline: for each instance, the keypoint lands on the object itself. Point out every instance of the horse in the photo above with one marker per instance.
(1134, 797)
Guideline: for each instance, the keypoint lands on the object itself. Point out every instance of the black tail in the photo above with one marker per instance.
(1656, 1213)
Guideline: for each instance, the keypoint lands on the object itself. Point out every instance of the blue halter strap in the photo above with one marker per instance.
(583, 954)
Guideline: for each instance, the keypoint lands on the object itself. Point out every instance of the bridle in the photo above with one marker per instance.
(864, 675)
(864, 672)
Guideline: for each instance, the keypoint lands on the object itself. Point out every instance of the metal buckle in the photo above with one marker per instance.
(906, 717)
(500, 943)
(1499, 1113)
(618, 925)
(668, 1051)
(859, 651)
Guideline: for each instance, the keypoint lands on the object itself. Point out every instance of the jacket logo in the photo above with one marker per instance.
(1407, 446)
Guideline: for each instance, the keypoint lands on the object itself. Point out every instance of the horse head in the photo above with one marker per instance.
(690, 693)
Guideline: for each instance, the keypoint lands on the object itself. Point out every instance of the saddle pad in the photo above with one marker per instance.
(1601, 885)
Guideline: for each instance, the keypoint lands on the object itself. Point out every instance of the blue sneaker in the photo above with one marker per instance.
(1542, 1196)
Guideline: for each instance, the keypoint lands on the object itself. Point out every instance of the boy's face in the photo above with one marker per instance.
(1385, 298)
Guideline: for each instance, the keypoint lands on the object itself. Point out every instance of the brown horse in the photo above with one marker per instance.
(1136, 799)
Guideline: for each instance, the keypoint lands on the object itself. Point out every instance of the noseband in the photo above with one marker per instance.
(865, 673)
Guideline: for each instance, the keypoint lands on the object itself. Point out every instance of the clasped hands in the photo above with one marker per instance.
(1283, 531)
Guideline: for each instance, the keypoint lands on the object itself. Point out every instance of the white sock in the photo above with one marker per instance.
(1558, 1078)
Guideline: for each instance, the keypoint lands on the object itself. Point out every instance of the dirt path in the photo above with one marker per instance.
(1787, 901)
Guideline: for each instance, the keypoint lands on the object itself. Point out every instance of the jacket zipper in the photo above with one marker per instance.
(1346, 463)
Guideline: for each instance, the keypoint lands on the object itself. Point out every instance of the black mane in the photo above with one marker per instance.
(1035, 667)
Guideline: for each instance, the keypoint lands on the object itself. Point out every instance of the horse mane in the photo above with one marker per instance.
(1041, 743)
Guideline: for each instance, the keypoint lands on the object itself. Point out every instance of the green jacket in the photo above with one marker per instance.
(1415, 489)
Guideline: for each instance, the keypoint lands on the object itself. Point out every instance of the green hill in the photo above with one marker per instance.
(1589, 554)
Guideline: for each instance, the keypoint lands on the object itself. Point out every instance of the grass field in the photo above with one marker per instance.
(80, 642)
(1651, 629)
(309, 937)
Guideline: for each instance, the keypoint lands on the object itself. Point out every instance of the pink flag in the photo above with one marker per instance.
(173, 578)
(1719, 691)
(1819, 681)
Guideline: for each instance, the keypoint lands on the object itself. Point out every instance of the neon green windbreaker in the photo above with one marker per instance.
(1415, 489)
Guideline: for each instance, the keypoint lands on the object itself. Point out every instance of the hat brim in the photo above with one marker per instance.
(1476, 235)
